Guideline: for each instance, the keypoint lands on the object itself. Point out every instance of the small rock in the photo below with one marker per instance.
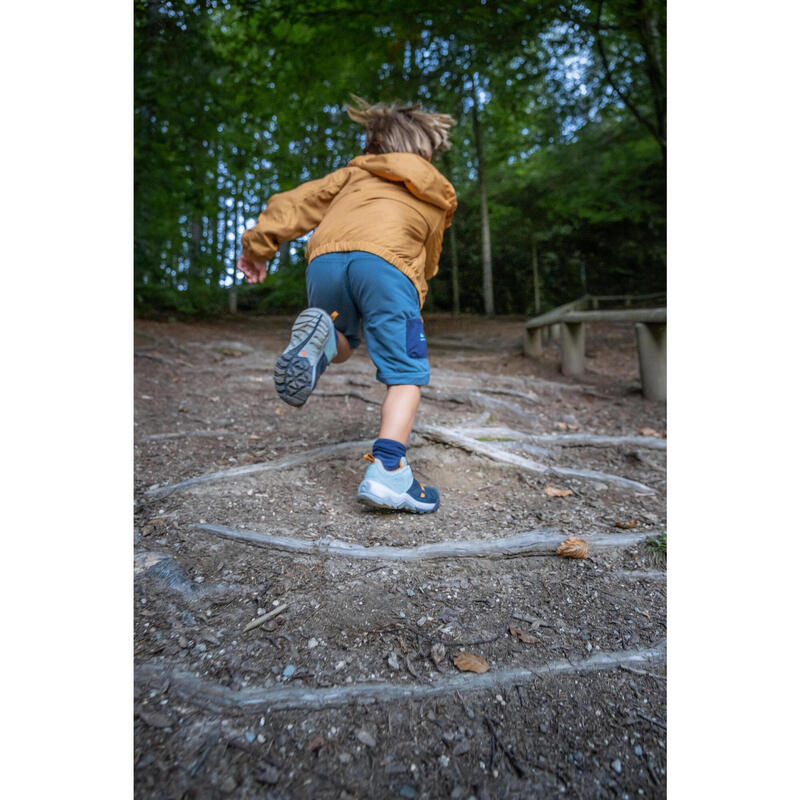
(408, 791)
(250, 736)
(288, 671)
(410, 592)
(366, 738)
(616, 765)
(268, 775)
(638, 750)
(544, 727)
(228, 785)
(345, 757)
(312, 643)
(444, 761)
(392, 661)
(421, 621)
(155, 719)
(461, 748)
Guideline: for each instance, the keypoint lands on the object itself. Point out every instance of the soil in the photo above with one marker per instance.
(205, 403)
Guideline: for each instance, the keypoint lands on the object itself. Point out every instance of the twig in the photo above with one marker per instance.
(651, 720)
(643, 672)
(264, 617)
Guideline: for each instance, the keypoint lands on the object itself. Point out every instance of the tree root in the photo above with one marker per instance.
(313, 454)
(453, 437)
(203, 434)
(217, 698)
(530, 543)
(567, 439)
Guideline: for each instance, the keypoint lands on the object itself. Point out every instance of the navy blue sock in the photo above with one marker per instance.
(389, 452)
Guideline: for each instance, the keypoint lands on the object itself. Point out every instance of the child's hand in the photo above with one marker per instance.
(254, 271)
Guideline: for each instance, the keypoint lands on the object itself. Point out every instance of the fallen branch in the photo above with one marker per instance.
(453, 437)
(218, 698)
(294, 460)
(530, 543)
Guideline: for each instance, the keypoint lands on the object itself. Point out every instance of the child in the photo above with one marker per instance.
(379, 226)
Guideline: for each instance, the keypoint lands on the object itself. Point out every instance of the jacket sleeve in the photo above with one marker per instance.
(433, 249)
(291, 214)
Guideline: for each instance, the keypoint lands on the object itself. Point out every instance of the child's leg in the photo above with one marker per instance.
(398, 411)
(343, 349)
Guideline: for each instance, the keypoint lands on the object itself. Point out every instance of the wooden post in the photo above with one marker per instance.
(533, 342)
(652, 340)
(573, 347)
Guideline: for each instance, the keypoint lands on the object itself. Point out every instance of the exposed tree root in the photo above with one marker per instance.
(567, 439)
(530, 543)
(453, 437)
(217, 698)
(294, 460)
(202, 434)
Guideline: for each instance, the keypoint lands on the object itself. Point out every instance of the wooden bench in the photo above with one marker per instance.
(571, 319)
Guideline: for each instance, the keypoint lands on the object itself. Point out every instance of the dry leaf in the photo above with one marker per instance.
(522, 636)
(626, 526)
(573, 548)
(552, 491)
(652, 432)
(467, 662)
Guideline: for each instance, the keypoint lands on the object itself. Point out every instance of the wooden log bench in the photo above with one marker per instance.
(651, 337)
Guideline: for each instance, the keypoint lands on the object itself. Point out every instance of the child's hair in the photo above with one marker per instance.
(401, 128)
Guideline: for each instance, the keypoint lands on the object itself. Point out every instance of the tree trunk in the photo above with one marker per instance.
(486, 249)
(453, 252)
(535, 264)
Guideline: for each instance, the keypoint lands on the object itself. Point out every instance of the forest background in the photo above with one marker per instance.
(558, 157)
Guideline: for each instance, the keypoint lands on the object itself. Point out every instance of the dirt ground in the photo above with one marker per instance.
(351, 690)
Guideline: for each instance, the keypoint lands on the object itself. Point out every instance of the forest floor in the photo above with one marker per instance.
(350, 689)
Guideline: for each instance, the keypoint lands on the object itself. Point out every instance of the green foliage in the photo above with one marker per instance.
(658, 544)
(239, 99)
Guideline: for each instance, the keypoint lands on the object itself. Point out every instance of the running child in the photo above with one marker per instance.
(379, 227)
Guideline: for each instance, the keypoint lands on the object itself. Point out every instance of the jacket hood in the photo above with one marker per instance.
(418, 175)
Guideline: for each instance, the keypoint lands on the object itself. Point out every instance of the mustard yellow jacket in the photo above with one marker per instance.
(395, 205)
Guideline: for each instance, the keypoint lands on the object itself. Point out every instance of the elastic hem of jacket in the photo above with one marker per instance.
(377, 250)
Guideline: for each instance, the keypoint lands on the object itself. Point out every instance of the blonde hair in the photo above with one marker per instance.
(401, 128)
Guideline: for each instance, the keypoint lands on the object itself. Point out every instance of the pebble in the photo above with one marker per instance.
(392, 660)
(444, 761)
(616, 765)
(421, 621)
(638, 750)
(408, 791)
(312, 643)
(345, 757)
(365, 737)
(228, 785)
(268, 775)
(288, 671)
(461, 748)
(250, 736)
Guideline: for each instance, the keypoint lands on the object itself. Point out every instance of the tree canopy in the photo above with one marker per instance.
(560, 147)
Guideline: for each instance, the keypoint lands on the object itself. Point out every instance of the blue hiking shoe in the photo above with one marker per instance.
(395, 489)
(310, 350)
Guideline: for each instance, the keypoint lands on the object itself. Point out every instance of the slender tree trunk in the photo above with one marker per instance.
(488, 287)
(454, 257)
(453, 250)
(535, 264)
(233, 292)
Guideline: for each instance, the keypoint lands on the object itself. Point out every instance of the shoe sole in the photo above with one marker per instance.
(294, 373)
(376, 495)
